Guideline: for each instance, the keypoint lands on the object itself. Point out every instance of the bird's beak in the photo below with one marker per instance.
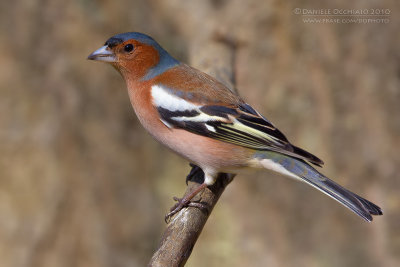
(103, 54)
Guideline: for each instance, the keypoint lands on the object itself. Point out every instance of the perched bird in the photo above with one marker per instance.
(199, 118)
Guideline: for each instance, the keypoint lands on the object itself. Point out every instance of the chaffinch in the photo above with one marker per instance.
(199, 118)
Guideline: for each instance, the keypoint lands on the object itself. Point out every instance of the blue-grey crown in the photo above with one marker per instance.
(123, 37)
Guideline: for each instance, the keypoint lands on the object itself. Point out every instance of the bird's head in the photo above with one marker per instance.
(135, 55)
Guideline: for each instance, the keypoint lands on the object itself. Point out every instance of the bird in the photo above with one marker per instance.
(200, 119)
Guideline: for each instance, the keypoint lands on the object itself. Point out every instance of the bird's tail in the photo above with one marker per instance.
(301, 170)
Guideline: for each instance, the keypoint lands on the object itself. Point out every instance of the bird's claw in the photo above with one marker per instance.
(183, 203)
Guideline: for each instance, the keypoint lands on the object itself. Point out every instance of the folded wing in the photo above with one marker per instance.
(237, 124)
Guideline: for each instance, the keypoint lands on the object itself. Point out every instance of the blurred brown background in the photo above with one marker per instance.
(82, 184)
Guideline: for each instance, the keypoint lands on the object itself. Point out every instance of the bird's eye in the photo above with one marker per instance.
(128, 48)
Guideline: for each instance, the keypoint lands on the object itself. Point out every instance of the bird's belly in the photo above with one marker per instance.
(204, 151)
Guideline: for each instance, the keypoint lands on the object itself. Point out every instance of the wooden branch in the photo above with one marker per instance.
(216, 57)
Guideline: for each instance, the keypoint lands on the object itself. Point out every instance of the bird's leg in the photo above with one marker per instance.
(185, 202)
(196, 174)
